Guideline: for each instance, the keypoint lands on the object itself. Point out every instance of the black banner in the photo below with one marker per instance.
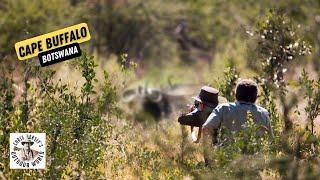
(59, 54)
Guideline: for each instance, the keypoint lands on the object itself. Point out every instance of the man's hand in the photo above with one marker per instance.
(195, 139)
(190, 108)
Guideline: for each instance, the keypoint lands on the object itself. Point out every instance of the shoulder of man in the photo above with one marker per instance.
(225, 105)
(262, 110)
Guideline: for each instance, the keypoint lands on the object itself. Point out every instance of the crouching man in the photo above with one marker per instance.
(204, 103)
(232, 116)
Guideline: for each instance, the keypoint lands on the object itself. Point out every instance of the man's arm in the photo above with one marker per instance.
(214, 120)
(268, 124)
(191, 119)
(210, 132)
(265, 126)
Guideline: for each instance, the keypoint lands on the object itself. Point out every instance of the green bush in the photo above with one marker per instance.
(76, 129)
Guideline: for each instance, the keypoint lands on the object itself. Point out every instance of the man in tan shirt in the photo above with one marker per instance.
(233, 116)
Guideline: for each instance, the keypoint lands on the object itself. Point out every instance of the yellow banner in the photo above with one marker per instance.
(32, 47)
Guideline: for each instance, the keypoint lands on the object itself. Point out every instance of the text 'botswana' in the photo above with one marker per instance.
(59, 54)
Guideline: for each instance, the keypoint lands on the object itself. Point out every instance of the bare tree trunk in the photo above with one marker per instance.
(286, 107)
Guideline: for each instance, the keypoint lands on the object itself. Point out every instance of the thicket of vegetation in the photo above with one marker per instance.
(91, 134)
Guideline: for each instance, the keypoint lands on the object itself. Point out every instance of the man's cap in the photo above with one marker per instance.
(27, 141)
(209, 96)
(247, 91)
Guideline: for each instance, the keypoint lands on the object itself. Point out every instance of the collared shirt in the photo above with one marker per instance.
(28, 155)
(234, 115)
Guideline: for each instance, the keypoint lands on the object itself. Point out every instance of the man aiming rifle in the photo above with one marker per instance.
(204, 103)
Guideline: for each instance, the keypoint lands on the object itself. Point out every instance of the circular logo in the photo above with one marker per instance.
(27, 150)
